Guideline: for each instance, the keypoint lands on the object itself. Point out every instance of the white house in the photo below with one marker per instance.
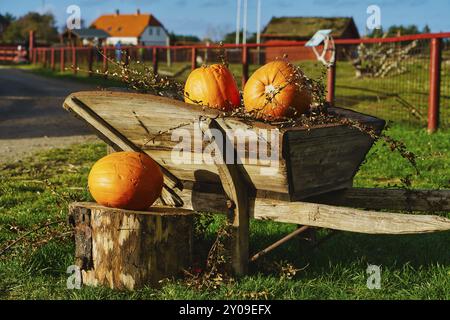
(132, 29)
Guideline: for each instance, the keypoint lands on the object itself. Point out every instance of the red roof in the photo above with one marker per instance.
(125, 25)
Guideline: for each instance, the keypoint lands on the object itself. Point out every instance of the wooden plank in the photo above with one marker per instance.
(390, 199)
(348, 219)
(139, 117)
(236, 189)
(324, 160)
(207, 172)
(321, 215)
(316, 165)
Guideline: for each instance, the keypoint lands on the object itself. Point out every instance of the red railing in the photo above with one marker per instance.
(431, 50)
(12, 54)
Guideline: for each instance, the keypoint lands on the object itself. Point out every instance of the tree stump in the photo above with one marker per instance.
(124, 249)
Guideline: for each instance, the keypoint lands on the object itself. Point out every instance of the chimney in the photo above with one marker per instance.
(138, 11)
(117, 12)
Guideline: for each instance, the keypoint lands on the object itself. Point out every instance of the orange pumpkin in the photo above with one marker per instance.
(276, 90)
(212, 86)
(126, 180)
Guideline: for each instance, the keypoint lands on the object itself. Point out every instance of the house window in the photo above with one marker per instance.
(158, 32)
(150, 31)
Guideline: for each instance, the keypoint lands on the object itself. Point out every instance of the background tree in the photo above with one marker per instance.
(376, 33)
(398, 30)
(231, 37)
(42, 24)
(401, 30)
(5, 20)
(176, 38)
(426, 29)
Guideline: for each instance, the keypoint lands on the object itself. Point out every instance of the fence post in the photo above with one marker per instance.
(155, 60)
(105, 61)
(62, 61)
(90, 61)
(74, 60)
(435, 84)
(52, 59)
(34, 55)
(169, 57)
(331, 83)
(127, 56)
(194, 58)
(31, 46)
(244, 65)
(44, 57)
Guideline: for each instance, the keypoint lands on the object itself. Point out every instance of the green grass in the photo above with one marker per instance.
(81, 76)
(38, 188)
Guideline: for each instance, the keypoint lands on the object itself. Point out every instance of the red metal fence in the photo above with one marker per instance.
(12, 54)
(416, 90)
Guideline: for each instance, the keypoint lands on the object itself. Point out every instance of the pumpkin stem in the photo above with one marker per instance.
(270, 89)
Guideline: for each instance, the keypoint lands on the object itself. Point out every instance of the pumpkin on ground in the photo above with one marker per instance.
(212, 86)
(126, 180)
(277, 90)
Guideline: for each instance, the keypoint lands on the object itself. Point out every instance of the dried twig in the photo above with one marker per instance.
(42, 226)
(381, 59)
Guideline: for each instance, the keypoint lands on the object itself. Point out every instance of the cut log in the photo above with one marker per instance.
(124, 249)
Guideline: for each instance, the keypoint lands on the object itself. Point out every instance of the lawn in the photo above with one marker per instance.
(37, 189)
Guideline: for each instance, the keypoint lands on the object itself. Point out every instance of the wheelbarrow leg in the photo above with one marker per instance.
(239, 246)
(236, 189)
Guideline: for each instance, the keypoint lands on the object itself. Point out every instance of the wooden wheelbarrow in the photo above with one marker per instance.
(310, 185)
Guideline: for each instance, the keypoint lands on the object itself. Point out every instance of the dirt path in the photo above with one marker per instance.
(32, 117)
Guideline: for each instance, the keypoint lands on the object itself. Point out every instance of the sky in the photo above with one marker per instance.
(213, 18)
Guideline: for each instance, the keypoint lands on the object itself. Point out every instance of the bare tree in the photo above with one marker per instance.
(380, 60)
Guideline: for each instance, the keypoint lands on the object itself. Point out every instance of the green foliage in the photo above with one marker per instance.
(231, 37)
(42, 24)
(396, 30)
(5, 20)
(176, 38)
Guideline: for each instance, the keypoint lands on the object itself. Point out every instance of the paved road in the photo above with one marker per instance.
(31, 114)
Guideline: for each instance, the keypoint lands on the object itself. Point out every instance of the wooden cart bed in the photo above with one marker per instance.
(312, 185)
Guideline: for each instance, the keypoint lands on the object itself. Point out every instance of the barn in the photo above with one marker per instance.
(283, 30)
